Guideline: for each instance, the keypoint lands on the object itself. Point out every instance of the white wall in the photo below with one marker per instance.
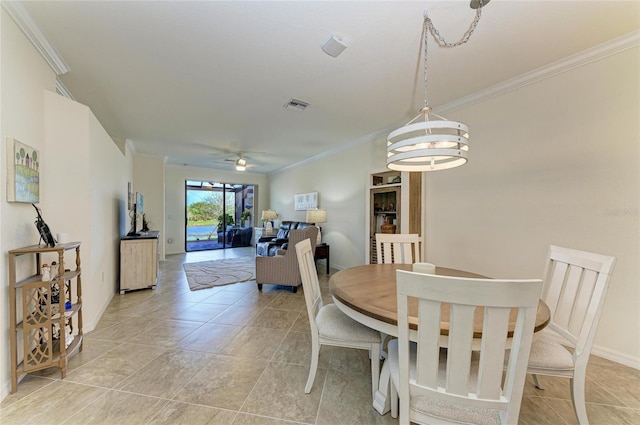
(341, 181)
(554, 162)
(84, 192)
(23, 77)
(175, 177)
(148, 179)
(83, 178)
(109, 174)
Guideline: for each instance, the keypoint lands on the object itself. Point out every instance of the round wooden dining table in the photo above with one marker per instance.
(367, 294)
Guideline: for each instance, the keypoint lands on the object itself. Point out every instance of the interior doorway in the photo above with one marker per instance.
(218, 215)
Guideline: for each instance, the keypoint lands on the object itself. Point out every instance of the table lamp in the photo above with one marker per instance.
(315, 217)
(267, 218)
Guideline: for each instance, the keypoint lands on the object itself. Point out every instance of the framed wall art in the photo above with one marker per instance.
(23, 175)
(306, 201)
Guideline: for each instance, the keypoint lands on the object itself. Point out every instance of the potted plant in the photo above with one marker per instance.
(246, 218)
(226, 218)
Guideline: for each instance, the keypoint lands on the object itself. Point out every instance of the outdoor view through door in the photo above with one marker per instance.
(218, 215)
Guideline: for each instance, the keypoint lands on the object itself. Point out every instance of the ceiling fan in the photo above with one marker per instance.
(238, 158)
(240, 163)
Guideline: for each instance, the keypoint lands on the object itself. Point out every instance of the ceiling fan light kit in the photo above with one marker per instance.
(241, 164)
(425, 143)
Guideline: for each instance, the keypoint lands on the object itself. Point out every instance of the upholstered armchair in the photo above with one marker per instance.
(283, 269)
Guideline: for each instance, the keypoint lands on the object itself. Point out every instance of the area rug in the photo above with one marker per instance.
(208, 274)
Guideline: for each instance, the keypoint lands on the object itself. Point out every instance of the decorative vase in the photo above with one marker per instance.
(46, 273)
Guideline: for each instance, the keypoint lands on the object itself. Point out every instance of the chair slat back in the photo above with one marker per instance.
(398, 248)
(575, 286)
(461, 374)
(310, 284)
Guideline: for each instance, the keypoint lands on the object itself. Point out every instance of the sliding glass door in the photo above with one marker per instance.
(218, 215)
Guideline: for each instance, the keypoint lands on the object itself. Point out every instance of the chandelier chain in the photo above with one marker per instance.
(465, 37)
(428, 26)
(437, 144)
(424, 40)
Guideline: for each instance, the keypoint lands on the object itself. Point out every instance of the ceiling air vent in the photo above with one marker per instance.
(296, 105)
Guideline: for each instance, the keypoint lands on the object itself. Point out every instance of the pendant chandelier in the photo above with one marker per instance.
(425, 143)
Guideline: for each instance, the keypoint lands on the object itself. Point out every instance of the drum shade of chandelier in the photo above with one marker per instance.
(425, 143)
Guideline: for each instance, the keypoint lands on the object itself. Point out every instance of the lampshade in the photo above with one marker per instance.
(269, 215)
(316, 216)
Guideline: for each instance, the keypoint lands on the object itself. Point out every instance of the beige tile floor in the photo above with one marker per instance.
(233, 355)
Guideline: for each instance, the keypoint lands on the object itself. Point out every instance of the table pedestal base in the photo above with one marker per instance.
(381, 401)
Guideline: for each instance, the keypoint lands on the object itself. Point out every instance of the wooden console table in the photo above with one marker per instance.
(139, 261)
(322, 252)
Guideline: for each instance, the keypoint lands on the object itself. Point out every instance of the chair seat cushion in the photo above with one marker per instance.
(438, 408)
(547, 353)
(334, 324)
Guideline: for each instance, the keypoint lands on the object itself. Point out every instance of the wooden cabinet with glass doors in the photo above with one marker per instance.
(394, 205)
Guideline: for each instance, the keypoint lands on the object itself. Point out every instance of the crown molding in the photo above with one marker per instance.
(359, 141)
(33, 32)
(62, 90)
(128, 142)
(577, 60)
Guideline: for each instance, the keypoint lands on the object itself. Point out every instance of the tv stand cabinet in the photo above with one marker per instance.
(139, 261)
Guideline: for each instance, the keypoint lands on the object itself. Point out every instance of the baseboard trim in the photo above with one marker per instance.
(616, 356)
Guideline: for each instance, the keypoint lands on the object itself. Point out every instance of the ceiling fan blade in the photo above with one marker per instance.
(214, 150)
(233, 162)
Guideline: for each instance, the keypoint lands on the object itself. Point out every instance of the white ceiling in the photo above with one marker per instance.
(191, 80)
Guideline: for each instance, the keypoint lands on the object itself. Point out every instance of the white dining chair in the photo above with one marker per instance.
(460, 384)
(330, 326)
(399, 248)
(575, 286)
